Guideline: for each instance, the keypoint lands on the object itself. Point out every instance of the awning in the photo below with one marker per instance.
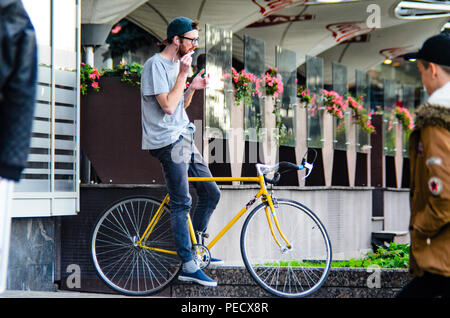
(381, 44)
(298, 25)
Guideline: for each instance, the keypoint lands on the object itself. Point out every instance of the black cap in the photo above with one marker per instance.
(435, 50)
(179, 26)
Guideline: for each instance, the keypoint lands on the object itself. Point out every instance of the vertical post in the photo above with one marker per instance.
(377, 162)
(328, 148)
(301, 131)
(270, 144)
(399, 154)
(236, 143)
(351, 149)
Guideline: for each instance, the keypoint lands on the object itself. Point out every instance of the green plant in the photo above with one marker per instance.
(304, 95)
(393, 256)
(334, 103)
(89, 76)
(272, 84)
(405, 118)
(281, 127)
(362, 117)
(128, 73)
(243, 83)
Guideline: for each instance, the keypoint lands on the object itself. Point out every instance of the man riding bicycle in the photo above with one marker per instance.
(168, 135)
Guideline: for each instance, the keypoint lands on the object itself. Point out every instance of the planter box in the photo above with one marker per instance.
(111, 133)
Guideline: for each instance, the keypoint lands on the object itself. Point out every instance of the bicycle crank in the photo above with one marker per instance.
(201, 254)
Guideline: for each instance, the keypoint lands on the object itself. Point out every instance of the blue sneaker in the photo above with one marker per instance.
(197, 277)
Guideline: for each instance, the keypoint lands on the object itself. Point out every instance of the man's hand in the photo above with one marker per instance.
(200, 82)
(185, 64)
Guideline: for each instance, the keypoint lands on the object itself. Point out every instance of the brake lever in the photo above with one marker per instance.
(309, 167)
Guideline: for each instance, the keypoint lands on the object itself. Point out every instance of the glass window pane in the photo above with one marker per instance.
(407, 102)
(39, 12)
(286, 62)
(314, 82)
(37, 173)
(219, 92)
(64, 23)
(65, 130)
(254, 61)
(36, 176)
(362, 88)
(390, 121)
(340, 86)
(65, 42)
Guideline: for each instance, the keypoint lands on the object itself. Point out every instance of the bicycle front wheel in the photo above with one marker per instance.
(122, 264)
(293, 266)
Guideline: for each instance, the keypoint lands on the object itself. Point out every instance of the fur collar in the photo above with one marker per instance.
(432, 115)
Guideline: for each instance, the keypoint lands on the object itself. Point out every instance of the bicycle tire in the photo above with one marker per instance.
(123, 266)
(296, 272)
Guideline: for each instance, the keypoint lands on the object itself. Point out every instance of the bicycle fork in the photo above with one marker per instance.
(270, 211)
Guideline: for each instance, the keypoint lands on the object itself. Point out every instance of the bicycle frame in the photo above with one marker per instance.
(262, 193)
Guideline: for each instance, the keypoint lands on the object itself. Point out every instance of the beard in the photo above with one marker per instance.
(182, 51)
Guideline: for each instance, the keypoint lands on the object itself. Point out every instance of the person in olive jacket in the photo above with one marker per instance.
(429, 151)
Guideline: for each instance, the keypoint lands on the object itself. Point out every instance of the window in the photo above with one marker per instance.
(49, 184)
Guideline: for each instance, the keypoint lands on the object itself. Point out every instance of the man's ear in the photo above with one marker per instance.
(434, 69)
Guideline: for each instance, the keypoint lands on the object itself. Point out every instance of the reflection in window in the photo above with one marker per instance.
(390, 121)
(219, 93)
(314, 82)
(254, 61)
(362, 89)
(286, 62)
(52, 162)
(340, 82)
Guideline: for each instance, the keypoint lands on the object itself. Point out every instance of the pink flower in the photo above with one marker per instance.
(94, 84)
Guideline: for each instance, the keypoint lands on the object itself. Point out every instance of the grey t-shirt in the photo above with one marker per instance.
(158, 128)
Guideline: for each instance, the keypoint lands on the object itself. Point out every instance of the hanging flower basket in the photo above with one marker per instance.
(334, 103)
(272, 83)
(244, 84)
(304, 95)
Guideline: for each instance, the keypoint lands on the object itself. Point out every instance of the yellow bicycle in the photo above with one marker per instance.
(284, 245)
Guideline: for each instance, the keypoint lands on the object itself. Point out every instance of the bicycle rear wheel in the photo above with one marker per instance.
(295, 271)
(120, 263)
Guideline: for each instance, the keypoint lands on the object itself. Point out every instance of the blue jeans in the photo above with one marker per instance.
(180, 160)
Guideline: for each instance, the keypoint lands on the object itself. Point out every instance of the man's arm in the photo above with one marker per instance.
(169, 101)
(188, 97)
(198, 82)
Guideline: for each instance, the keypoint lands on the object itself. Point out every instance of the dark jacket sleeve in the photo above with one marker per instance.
(18, 74)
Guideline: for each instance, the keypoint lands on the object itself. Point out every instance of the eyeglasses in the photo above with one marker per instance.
(193, 41)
